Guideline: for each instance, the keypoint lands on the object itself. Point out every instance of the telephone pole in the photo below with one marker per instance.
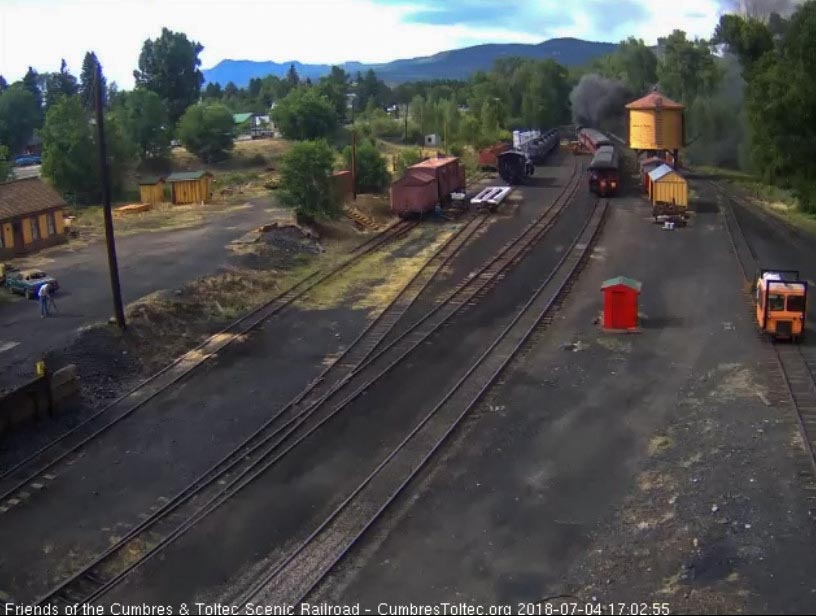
(104, 172)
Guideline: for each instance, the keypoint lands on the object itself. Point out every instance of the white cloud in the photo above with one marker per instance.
(40, 32)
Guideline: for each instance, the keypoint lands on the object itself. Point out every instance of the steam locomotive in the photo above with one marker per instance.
(530, 148)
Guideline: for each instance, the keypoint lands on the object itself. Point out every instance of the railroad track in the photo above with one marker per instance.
(288, 427)
(38, 465)
(798, 367)
(293, 579)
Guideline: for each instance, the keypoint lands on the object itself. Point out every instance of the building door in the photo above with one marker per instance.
(17, 234)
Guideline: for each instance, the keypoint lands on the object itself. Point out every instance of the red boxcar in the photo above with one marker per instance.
(449, 174)
(488, 158)
(414, 193)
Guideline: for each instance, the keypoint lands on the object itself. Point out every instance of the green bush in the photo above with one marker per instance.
(206, 130)
(372, 169)
(305, 181)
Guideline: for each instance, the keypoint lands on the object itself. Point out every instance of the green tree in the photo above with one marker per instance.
(305, 114)
(87, 78)
(687, 68)
(70, 158)
(335, 87)
(206, 130)
(145, 121)
(370, 88)
(306, 181)
(292, 76)
(31, 82)
(3, 84)
(405, 159)
(169, 67)
(371, 168)
(19, 116)
(748, 39)
(5, 164)
(213, 92)
(61, 83)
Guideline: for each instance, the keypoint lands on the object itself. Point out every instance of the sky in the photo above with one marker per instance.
(41, 32)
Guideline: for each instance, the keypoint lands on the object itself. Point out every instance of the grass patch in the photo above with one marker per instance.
(378, 278)
(779, 202)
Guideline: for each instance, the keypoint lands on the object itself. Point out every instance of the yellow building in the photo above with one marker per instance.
(190, 187)
(151, 190)
(31, 217)
(656, 124)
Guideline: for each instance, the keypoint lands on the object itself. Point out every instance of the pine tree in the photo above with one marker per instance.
(31, 82)
(87, 78)
(292, 76)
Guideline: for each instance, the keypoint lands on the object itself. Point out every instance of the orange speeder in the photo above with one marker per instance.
(781, 303)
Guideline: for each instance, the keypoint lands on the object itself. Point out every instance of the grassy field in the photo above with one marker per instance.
(777, 201)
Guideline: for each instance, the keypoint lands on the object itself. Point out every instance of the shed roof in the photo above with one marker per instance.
(433, 163)
(622, 281)
(661, 172)
(151, 180)
(653, 100)
(240, 118)
(28, 196)
(187, 176)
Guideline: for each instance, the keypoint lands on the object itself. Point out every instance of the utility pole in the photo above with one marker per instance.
(104, 173)
(353, 163)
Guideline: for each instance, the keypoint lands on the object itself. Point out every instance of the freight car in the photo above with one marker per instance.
(604, 174)
(427, 184)
(514, 166)
(592, 139)
(538, 149)
(488, 157)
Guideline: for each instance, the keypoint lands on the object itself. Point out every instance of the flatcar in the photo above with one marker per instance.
(514, 166)
(593, 139)
(604, 174)
(781, 304)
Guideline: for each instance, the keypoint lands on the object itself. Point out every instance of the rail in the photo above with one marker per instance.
(74, 439)
(253, 456)
(304, 568)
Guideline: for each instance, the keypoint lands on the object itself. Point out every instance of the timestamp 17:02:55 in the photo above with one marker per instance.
(574, 608)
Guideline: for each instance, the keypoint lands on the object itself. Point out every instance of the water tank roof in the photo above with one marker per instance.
(654, 100)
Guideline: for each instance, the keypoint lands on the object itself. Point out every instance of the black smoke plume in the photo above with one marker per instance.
(599, 102)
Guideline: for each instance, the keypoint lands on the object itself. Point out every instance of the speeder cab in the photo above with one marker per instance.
(781, 303)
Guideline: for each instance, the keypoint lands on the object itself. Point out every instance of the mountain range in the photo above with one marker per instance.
(453, 64)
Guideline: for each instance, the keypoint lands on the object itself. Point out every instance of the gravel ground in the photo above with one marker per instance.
(635, 468)
(299, 491)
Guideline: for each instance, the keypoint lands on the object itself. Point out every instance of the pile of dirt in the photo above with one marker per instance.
(277, 245)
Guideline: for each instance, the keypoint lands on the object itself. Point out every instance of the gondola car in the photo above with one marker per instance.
(514, 166)
(604, 175)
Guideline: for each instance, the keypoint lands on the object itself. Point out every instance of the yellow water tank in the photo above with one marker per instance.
(656, 123)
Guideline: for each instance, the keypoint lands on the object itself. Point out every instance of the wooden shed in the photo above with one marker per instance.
(666, 186)
(190, 187)
(31, 217)
(151, 190)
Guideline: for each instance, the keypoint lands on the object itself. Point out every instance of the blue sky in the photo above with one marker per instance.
(40, 32)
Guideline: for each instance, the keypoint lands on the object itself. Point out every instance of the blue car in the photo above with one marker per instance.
(27, 161)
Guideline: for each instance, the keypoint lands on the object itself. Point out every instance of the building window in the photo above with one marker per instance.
(51, 223)
(35, 228)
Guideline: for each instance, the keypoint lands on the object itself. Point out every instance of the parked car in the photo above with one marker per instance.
(27, 161)
(28, 282)
(6, 269)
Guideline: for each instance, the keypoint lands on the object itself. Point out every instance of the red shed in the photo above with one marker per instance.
(620, 303)
(449, 174)
(414, 193)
